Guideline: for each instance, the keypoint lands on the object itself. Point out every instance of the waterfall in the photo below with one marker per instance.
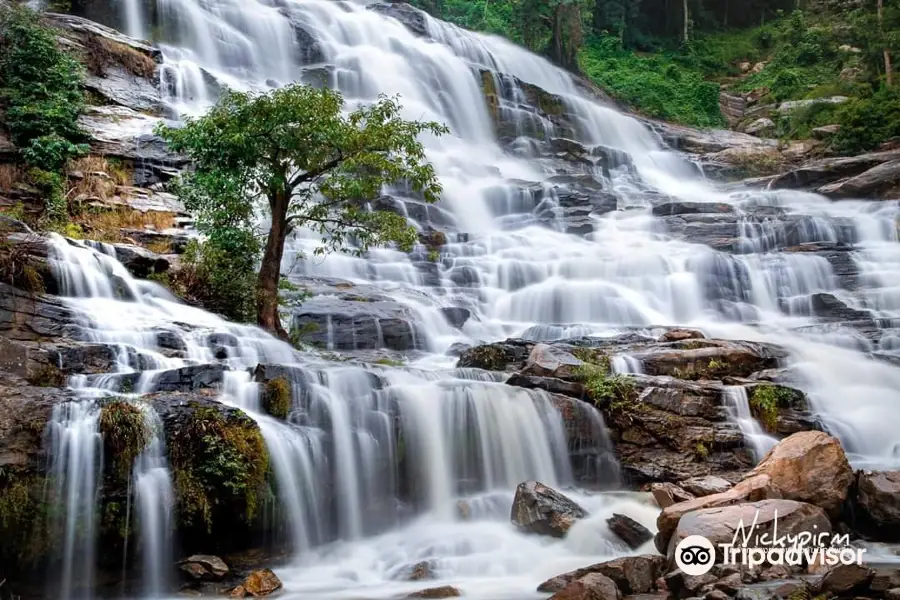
(76, 454)
(738, 406)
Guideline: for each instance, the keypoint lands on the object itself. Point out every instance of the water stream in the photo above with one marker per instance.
(465, 435)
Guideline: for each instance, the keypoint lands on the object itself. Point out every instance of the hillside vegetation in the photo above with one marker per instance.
(670, 64)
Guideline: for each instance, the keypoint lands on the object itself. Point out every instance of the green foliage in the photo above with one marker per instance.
(867, 122)
(220, 463)
(220, 273)
(316, 166)
(701, 450)
(24, 523)
(658, 86)
(765, 402)
(40, 91)
(125, 435)
(277, 398)
(603, 387)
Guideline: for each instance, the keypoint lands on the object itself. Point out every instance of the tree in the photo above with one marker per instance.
(888, 69)
(313, 164)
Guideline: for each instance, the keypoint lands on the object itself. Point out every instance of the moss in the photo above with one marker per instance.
(602, 387)
(47, 375)
(766, 401)
(125, 435)
(220, 461)
(114, 522)
(592, 356)
(701, 450)
(389, 362)
(277, 399)
(23, 519)
(489, 358)
(434, 256)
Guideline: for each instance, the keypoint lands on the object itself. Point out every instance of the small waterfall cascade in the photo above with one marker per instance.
(154, 496)
(737, 404)
(76, 454)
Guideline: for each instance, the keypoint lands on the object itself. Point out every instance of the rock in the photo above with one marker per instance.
(677, 335)
(25, 316)
(629, 531)
(262, 583)
(825, 132)
(204, 567)
(632, 574)
(669, 209)
(707, 141)
(751, 489)
(719, 525)
(456, 316)
(809, 466)
(877, 503)
(500, 356)
(705, 486)
(667, 494)
(139, 261)
(733, 107)
(787, 107)
(882, 181)
(551, 361)
(238, 592)
(308, 48)
(893, 594)
(758, 67)
(539, 509)
(821, 172)
(843, 579)
(761, 127)
(445, 591)
(421, 571)
(185, 379)
(850, 74)
(710, 359)
(339, 324)
(412, 18)
(592, 586)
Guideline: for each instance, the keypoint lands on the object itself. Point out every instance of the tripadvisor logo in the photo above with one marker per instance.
(696, 555)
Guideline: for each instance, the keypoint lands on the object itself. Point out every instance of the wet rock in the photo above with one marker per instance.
(539, 509)
(25, 316)
(592, 586)
(885, 578)
(706, 141)
(667, 494)
(718, 525)
(308, 48)
(710, 359)
(678, 335)
(809, 466)
(882, 181)
(499, 356)
(688, 208)
(551, 361)
(412, 18)
(421, 571)
(752, 489)
(445, 591)
(139, 261)
(844, 579)
(632, 574)
(705, 486)
(262, 583)
(184, 379)
(821, 172)
(204, 567)
(548, 384)
(176, 239)
(456, 316)
(629, 531)
(877, 503)
(356, 325)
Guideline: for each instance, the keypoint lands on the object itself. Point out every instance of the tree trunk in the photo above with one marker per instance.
(687, 31)
(888, 68)
(270, 270)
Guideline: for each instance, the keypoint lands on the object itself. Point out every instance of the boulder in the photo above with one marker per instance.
(825, 132)
(629, 531)
(809, 466)
(262, 583)
(667, 494)
(705, 486)
(456, 316)
(421, 571)
(720, 525)
(542, 510)
(678, 335)
(882, 181)
(204, 567)
(631, 574)
(445, 591)
(552, 361)
(751, 489)
(844, 579)
(412, 18)
(348, 324)
(733, 107)
(761, 127)
(499, 356)
(877, 503)
(790, 106)
(827, 170)
(140, 261)
(710, 359)
(592, 586)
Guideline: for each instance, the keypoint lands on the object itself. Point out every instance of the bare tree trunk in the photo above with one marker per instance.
(888, 68)
(687, 21)
(270, 270)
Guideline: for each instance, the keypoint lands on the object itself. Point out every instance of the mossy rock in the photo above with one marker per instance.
(126, 433)
(220, 464)
(277, 398)
(24, 522)
(767, 401)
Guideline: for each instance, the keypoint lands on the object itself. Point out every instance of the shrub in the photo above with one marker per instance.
(125, 435)
(867, 122)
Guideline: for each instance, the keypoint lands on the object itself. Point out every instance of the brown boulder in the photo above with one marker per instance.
(262, 583)
(845, 578)
(551, 361)
(878, 503)
(720, 525)
(445, 591)
(629, 531)
(705, 486)
(539, 509)
(204, 567)
(751, 489)
(809, 466)
(592, 586)
(667, 494)
(632, 574)
(677, 335)
(421, 571)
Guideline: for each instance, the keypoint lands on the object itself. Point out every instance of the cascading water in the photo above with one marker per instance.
(453, 434)
(738, 406)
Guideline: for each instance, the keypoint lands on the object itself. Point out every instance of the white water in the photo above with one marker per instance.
(738, 406)
(464, 436)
